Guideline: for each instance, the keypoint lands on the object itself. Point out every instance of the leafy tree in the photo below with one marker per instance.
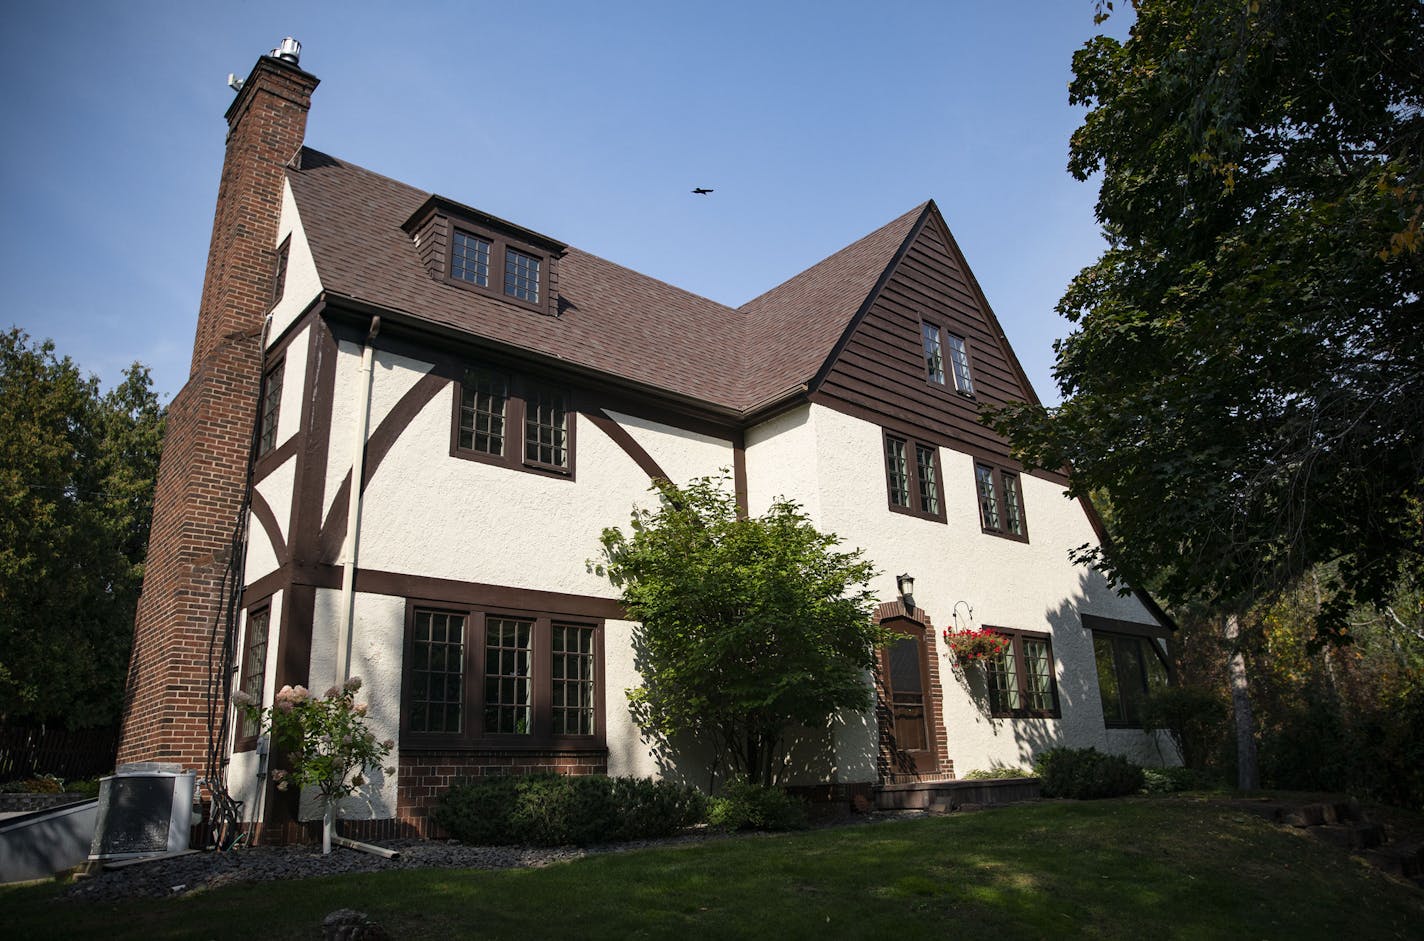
(747, 627)
(77, 470)
(1246, 378)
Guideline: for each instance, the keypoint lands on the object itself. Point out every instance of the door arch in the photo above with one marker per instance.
(909, 706)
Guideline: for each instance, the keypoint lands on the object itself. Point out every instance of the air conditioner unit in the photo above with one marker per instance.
(143, 813)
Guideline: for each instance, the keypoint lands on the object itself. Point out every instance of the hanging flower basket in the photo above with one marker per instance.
(971, 646)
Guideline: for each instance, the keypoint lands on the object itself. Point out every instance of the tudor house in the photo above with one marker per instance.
(444, 409)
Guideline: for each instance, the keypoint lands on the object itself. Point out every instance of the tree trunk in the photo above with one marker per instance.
(328, 821)
(1247, 773)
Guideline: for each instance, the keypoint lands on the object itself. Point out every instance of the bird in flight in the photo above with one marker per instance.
(702, 191)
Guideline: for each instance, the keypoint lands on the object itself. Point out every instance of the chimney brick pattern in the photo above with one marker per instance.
(202, 472)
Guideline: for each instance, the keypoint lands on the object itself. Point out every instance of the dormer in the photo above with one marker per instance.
(475, 251)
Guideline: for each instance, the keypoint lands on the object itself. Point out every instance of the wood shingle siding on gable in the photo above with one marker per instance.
(880, 374)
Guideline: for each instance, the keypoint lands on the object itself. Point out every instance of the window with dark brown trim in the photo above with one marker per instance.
(912, 477)
(501, 679)
(279, 279)
(1130, 668)
(1001, 508)
(478, 259)
(1021, 680)
(946, 358)
(489, 404)
(271, 408)
(253, 676)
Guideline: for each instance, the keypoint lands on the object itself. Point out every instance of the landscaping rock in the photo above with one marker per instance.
(347, 924)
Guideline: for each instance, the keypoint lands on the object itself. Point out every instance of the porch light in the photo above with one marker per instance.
(906, 584)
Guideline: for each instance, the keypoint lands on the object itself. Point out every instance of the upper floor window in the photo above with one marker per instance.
(917, 488)
(1021, 679)
(959, 361)
(521, 275)
(270, 408)
(1001, 508)
(490, 403)
(469, 259)
(500, 678)
(934, 353)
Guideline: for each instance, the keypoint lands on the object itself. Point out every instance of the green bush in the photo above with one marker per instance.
(1086, 774)
(745, 806)
(550, 809)
(996, 772)
(1173, 780)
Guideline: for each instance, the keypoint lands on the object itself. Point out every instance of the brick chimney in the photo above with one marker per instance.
(203, 470)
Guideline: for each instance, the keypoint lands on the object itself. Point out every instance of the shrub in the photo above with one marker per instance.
(548, 809)
(1086, 774)
(1195, 718)
(743, 805)
(1172, 780)
(996, 772)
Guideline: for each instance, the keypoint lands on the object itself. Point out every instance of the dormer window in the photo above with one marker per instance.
(521, 275)
(469, 259)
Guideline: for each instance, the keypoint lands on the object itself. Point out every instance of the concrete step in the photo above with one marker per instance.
(1401, 859)
(1350, 836)
(1319, 814)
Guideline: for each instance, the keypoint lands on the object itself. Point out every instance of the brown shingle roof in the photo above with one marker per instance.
(613, 320)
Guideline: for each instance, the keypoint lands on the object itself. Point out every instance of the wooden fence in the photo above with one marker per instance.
(28, 750)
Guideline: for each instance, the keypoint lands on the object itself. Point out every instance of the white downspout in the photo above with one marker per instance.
(353, 510)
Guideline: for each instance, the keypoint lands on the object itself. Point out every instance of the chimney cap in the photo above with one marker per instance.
(289, 50)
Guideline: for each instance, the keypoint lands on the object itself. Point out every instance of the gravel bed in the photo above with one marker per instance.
(180, 874)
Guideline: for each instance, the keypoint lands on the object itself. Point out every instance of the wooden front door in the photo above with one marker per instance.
(905, 672)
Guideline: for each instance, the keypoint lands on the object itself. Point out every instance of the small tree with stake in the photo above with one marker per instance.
(748, 627)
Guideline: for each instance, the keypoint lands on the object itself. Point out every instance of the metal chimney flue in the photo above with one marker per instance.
(289, 51)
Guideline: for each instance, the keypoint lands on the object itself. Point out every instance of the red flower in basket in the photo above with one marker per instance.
(971, 646)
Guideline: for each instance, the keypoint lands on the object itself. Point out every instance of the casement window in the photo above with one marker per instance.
(912, 477)
(1001, 509)
(946, 359)
(270, 408)
(279, 278)
(501, 679)
(490, 263)
(959, 364)
(1130, 668)
(253, 674)
(1020, 679)
(512, 420)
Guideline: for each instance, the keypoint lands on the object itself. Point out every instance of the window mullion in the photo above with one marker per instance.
(475, 687)
(541, 665)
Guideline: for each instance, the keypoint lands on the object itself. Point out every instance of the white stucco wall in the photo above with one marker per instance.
(294, 367)
(682, 454)
(833, 464)
(243, 767)
(302, 283)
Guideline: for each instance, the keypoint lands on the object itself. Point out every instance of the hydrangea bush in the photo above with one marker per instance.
(325, 741)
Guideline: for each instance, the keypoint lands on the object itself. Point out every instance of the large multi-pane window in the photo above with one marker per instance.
(437, 672)
(492, 405)
(481, 677)
(918, 491)
(270, 409)
(573, 679)
(1020, 679)
(1130, 669)
(253, 677)
(1001, 509)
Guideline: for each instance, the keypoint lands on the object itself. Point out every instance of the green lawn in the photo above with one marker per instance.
(1137, 868)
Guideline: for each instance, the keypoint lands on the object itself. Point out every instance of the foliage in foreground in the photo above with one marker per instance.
(1246, 378)
(1135, 868)
(1086, 774)
(555, 810)
(747, 628)
(77, 472)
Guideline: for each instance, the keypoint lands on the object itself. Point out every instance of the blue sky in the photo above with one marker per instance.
(590, 122)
